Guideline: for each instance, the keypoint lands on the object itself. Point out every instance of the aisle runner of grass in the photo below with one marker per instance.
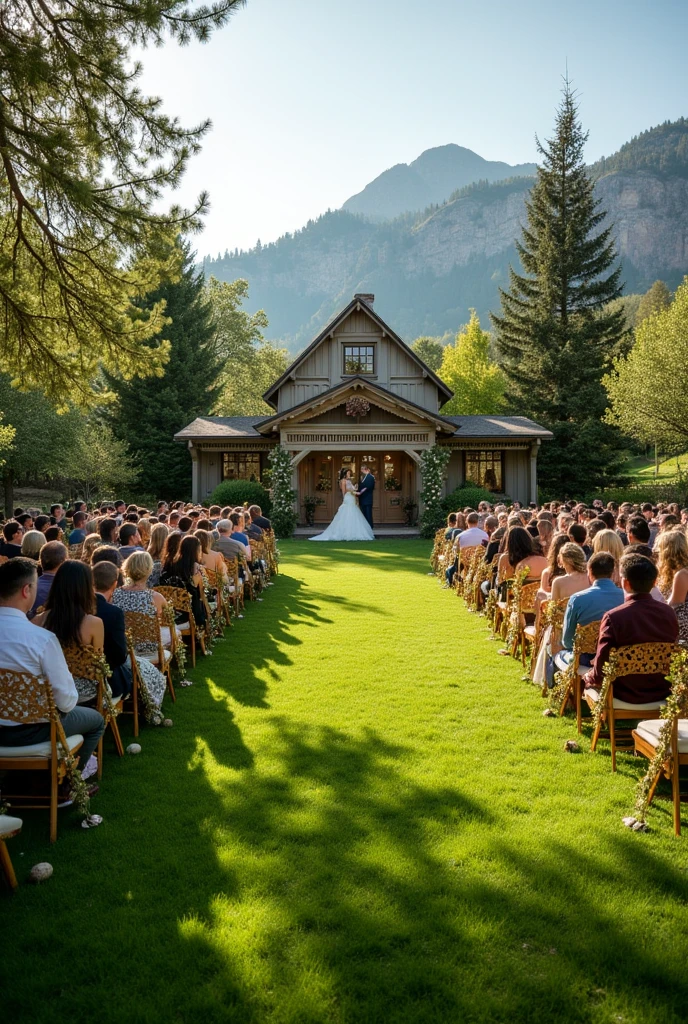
(360, 815)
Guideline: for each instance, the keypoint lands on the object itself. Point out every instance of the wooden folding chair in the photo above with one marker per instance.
(503, 607)
(526, 606)
(86, 663)
(27, 700)
(9, 827)
(271, 545)
(181, 602)
(651, 734)
(584, 642)
(76, 551)
(217, 583)
(236, 586)
(145, 629)
(465, 555)
(636, 659)
(551, 614)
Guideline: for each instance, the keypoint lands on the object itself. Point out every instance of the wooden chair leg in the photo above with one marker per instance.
(119, 746)
(135, 699)
(170, 684)
(596, 734)
(653, 787)
(612, 738)
(53, 800)
(578, 683)
(676, 796)
(6, 865)
(99, 755)
(192, 634)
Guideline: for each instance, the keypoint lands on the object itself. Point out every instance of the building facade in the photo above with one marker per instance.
(359, 393)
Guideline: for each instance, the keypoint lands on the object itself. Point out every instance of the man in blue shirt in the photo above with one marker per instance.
(590, 605)
(78, 534)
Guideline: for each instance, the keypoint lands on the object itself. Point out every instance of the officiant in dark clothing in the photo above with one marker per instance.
(365, 494)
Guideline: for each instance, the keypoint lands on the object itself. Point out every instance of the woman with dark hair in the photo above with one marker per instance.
(554, 566)
(70, 615)
(185, 573)
(170, 551)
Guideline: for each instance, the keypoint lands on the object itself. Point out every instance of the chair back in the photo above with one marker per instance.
(527, 596)
(641, 659)
(178, 598)
(586, 638)
(85, 662)
(25, 698)
(75, 551)
(144, 629)
(467, 554)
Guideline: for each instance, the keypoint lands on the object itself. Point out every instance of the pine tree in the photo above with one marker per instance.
(554, 336)
(655, 300)
(150, 411)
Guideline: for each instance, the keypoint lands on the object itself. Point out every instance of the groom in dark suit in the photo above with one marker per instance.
(365, 493)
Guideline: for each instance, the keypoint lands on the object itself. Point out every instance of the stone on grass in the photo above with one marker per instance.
(92, 821)
(168, 723)
(548, 713)
(572, 747)
(134, 748)
(40, 872)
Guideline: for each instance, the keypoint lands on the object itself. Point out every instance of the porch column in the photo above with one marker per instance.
(533, 470)
(195, 473)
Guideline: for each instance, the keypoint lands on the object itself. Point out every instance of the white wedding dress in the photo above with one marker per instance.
(349, 522)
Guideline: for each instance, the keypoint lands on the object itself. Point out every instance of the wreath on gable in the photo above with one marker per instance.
(357, 406)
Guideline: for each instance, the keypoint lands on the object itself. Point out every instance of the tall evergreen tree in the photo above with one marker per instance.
(150, 410)
(554, 336)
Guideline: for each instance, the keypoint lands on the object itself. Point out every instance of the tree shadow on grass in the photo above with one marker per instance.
(321, 886)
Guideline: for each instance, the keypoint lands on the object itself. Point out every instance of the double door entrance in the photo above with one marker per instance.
(395, 481)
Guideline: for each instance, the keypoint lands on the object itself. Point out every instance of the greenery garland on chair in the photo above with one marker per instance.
(676, 707)
(433, 463)
(283, 495)
(601, 703)
(514, 626)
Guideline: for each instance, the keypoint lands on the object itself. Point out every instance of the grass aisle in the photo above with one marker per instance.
(359, 816)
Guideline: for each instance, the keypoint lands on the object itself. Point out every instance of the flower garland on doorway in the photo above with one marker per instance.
(433, 463)
(283, 495)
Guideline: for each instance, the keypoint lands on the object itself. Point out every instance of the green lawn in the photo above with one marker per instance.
(359, 816)
(642, 469)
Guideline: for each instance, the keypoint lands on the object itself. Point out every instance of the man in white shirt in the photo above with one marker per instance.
(472, 536)
(37, 652)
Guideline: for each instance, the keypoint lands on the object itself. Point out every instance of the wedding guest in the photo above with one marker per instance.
(210, 559)
(57, 514)
(156, 546)
(639, 620)
(545, 532)
(473, 535)
(37, 652)
(12, 533)
(638, 531)
(238, 534)
(54, 533)
(70, 615)
(25, 520)
(91, 544)
(591, 603)
(105, 580)
(135, 596)
(52, 555)
(130, 539)
(672, 575)
(41, 523)
(32, 542)
(78, 534)
(185, 574)
(108, 529)
(578, 534)
(609, 540)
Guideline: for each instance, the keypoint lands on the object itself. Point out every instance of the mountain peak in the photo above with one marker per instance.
(430, 178)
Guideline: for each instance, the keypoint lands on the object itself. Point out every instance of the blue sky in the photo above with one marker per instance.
(311, 99)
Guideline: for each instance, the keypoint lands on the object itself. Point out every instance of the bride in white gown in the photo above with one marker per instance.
(349, 522)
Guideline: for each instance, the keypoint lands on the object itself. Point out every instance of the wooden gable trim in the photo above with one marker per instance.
(329, 330)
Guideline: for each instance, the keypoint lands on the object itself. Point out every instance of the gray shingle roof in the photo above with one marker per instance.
(497, 426)
(220, 426)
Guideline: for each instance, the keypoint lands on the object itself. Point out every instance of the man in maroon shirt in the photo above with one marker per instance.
(639, 620)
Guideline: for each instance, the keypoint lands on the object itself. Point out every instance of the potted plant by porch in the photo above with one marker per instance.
(310, 503)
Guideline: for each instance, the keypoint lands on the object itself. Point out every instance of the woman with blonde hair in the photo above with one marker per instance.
(135, 596)
(671, 549)
(574, 579)
(156, 546)
(144, 531)
(609, 541)
(93, 541)
(31, 545)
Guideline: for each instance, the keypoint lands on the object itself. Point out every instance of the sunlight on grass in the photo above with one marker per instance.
(360, 817)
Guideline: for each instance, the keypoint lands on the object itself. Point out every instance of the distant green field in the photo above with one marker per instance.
(642, 468)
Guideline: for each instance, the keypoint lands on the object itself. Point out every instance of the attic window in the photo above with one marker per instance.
(359, 359)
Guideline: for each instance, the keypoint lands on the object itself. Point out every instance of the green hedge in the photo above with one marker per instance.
(676, 490)
(469, 497)
(241, 492)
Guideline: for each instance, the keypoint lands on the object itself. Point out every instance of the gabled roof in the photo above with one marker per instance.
(331, 326)
(219, 427)
(498, 426)
(356, 381)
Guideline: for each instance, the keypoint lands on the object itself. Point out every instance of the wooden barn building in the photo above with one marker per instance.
(358, 355)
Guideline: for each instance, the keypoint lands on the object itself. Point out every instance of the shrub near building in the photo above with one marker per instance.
(241, 492)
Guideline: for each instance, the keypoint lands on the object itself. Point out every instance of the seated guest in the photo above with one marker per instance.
(105, 579)
(251, 529)
(91, 545)
(78, 534)
(532, 556)
(210, 559)
(12, 534)
(554, 566)
(70, 615)
(214, 515)
(639, 620)
(237, 533)
(37, 652)
(184, 525)
(450, 532)
(472, 536)
(578, 535)
(53, 554)
(647, 552)
(545, 531)
(57, 514)
(54, 533)
(129, 539)
(638, 531)
(135, 596)
(256, 516)
(594, 527)
(609, 541)
(25, 520)
(120, 511)
(32, 542)
(226, 544)
(156, 546)
(574, 578)
(108, 529)
(185, 573)
(145, 527)
(591, 604)
(672, 575)
(170, 550)
(41, 523)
